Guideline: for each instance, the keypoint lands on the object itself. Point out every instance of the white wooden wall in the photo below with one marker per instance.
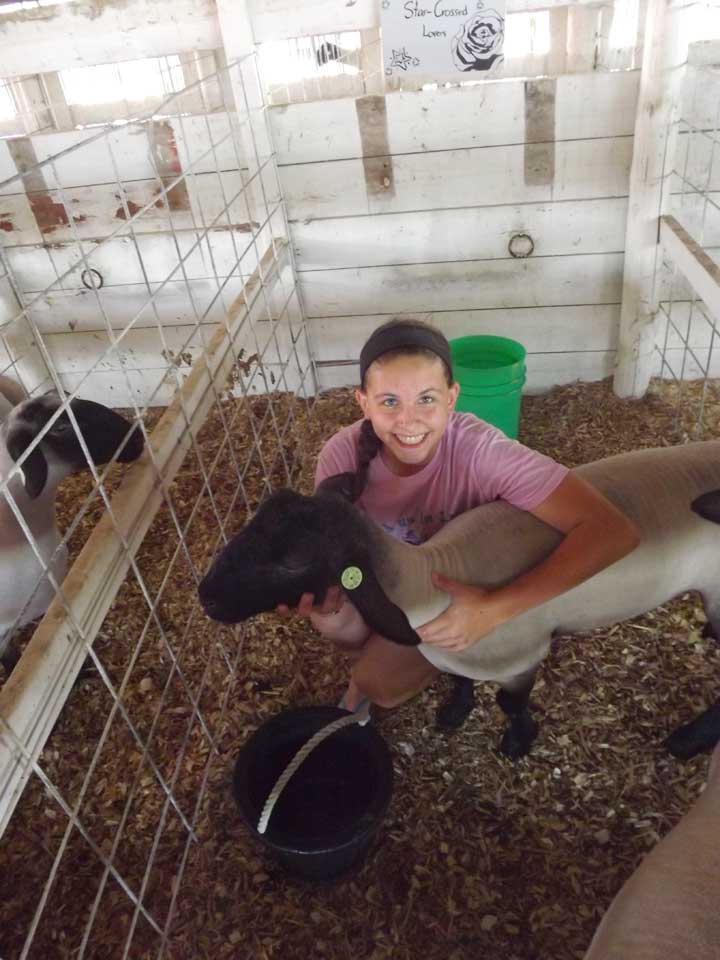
(402, 203)
(169, 273)
(407, 203)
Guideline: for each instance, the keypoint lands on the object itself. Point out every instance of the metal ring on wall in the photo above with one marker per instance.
(89, 281)
(521, 245)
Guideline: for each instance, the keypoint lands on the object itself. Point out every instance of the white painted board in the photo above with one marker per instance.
(579, 226)
(539, 329)
(544, 371)
(584, 169)
(125, 260)
(204, 144)
(104, 34)
(276, 19)
(457, 117)
(550, 281)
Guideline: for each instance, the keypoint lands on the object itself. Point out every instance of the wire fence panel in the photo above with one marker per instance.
(144, 267)
(688, 281)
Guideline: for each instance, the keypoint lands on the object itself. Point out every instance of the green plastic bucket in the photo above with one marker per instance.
(491, 374)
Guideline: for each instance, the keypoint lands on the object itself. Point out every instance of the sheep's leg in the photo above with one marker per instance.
(513, 698)
(700, 734)
(711, 605)
(9, 657)
(454, 710)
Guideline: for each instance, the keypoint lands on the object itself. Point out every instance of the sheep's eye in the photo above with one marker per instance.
(61, 427)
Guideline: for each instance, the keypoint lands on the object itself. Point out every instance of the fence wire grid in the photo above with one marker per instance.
(688, 326)
(145, 267)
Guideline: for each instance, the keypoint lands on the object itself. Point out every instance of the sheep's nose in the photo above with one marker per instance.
(209, 602)
(212, 608)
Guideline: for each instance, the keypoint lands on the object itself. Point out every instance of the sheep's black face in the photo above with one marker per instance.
(295, 545)
(286, 550)
(105, 433)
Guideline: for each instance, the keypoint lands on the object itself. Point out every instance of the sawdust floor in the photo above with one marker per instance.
(477, 857)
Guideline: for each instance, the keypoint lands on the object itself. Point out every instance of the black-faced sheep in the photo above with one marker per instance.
(25, 589)
(298, 544)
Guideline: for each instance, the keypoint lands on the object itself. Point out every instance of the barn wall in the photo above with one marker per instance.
(169, 265)
(398, 203)
(52, 38)
(407, 203)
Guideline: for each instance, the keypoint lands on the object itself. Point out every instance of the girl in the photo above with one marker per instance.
(417, 464)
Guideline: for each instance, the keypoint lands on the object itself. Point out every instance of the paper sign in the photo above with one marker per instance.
(442, 39)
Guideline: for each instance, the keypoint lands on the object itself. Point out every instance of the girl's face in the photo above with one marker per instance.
(408, 401)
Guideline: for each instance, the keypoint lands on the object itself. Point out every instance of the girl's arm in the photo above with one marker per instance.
(597, 534)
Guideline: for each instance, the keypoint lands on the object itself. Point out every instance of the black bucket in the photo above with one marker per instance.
(327, 815)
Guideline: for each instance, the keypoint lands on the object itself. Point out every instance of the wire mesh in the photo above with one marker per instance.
(689, 327)
(145, 267)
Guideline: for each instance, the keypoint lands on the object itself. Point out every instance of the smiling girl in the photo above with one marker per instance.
(418, 463)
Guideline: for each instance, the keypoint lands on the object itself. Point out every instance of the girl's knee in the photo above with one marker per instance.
(388, 685)
(372, 685)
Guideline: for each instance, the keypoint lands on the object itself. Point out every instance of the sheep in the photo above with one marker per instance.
(296, 544)
(668, 908)
(25, 588)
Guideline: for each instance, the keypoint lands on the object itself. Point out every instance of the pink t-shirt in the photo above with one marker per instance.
(474, 464)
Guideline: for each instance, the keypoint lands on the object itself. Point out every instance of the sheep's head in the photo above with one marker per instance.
(105, 432)
(295, 545)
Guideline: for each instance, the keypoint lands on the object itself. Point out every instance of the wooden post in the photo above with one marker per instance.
(20, 358)
(242, 80)
(663, 68)
(57, 105)
(586, 43)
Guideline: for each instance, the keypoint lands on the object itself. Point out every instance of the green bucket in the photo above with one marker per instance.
(491, 374)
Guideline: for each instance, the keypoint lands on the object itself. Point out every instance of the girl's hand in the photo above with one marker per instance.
(308, 609)
(335, 618)
(472, 614)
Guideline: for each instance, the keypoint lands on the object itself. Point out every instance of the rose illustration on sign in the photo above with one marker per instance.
(478, 43)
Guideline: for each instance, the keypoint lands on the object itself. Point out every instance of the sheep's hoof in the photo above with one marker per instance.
(693, 738)
(87, 670)
(10, 659)
(457, 706)
(519, 737)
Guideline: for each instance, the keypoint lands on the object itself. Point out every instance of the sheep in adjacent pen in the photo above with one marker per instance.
(25, 588)
(669, 909)
(296, 544)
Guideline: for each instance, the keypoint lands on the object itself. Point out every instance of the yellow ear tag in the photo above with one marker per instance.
(351, 578)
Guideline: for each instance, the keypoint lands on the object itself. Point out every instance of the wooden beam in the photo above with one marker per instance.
(52, 38)
(664, 55)
(276, 19)
(108, 33)
(241, 84)
(699, 269)
(34, 695)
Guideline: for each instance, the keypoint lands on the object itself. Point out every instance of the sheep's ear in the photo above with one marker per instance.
(708, 506)
(342, 484)
(35, 468)
(376, 609)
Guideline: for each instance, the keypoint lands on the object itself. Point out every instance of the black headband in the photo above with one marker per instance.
(402, 335)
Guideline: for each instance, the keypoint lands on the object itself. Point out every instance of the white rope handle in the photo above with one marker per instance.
(297, 760)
